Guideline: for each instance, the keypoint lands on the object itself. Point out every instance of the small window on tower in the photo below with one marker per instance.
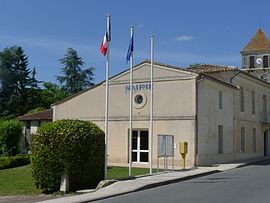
(265, 61)
(251, 62)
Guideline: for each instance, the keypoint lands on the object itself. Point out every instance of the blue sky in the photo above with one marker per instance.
(186, 32)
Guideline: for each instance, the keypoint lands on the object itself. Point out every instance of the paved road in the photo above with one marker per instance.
(247, 184)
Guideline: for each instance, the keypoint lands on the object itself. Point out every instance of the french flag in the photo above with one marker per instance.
(107, 38)
(104, 45)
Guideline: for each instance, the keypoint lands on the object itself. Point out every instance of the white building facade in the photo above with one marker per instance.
(222, 113)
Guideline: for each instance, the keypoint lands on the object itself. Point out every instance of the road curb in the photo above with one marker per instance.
(153, 185)
(167, 182)
(253, 162)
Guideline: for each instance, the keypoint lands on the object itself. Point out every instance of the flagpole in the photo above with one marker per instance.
(151, 105)
(107, 102)
(130, 105)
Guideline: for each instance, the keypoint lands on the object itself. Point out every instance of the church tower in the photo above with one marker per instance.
(256, 54)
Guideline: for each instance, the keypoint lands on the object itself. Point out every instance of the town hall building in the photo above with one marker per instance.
(222, 112)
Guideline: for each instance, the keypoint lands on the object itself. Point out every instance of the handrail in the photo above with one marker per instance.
(25, 150)
(7, 152)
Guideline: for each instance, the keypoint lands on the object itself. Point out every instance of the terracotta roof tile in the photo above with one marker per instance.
(258, 43)
(208, 68)
(42, 115)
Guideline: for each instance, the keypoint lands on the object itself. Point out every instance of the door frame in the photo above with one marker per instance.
(138, 150)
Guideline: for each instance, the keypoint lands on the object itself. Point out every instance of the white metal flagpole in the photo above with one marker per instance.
(151, 107)
(131, 104)
(107, 97)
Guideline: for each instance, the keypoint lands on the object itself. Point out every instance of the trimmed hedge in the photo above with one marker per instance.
(14, 161)
(10, 134)
(68, 147)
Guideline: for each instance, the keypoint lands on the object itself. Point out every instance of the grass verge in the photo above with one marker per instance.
(116, 172)
(18, 181)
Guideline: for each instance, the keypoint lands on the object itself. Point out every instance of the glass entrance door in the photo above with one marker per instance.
(140, 146)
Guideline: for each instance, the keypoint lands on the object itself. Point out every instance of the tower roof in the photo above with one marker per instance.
(258, 43)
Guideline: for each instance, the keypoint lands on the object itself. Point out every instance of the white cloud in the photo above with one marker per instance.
(184, 38)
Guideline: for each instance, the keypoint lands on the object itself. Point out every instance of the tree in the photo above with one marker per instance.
(14, 76)
(75, 79)
(51, 94)
(34, 91)
(10, 134)
(22, 77)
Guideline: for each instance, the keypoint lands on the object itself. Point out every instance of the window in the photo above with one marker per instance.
(28, 125)
(254, 139)
(253, 102)
(265, 61)
(242, 141)
(220, 100)
(138, 99)
(251, 62)
(220, 139)
(242, 102)
(264, 108)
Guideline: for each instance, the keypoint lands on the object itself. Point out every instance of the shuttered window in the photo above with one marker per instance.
(242, 102)
(264, 108)
(220, 139)
(251, 62)
(265, 61)
(220, 100)
(254, 138)
(243, 140)
(253, 102)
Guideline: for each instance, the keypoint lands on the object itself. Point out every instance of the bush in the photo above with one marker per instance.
(14, 161)
(68, 147)
(10, 134)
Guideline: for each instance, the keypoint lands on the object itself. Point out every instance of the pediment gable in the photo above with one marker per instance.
(142, 72)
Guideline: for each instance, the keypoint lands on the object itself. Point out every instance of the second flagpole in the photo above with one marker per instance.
(131, 105)
(151, 106)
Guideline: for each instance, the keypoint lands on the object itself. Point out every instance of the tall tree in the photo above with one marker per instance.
(74, 78)
(33, 93)
(23, 78)
(14, 77)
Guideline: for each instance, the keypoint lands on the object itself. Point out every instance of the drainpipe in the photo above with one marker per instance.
(199, 79)
(231, 79)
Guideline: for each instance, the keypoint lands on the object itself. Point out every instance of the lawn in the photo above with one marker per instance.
(18, 181)
(122, 172)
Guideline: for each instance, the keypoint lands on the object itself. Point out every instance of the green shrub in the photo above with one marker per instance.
(10, 134)
(71, 147)
(14, 161)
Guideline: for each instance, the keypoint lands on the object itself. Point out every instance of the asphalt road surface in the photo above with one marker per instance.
(242, 185)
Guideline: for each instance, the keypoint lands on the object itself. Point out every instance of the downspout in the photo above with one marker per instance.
(231, 79)
(234, 110)
(199, 79)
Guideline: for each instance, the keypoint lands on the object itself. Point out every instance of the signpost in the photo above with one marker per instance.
(165, 149)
